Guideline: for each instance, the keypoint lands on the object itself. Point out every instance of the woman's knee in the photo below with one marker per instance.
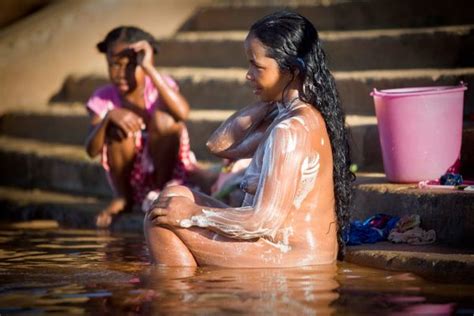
(169, 191)
(177, 190)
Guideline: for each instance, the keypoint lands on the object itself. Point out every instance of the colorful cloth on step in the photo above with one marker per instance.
(373, 229)
(408, 231)
(448, 180)
(451, 179)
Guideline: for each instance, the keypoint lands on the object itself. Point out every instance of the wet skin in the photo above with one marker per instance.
(288, 219)
(117, 128)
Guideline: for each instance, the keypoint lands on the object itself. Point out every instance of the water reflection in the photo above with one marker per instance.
(216, 291)
(76, 272)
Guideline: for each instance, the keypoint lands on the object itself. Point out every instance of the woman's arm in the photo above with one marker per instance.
(285, 160)
(239, 136)
(175, 103)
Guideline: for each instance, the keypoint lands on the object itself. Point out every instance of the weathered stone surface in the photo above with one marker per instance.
(19, 205)
(33, 164)
(363, 14)
(433, 262)
(55, 124)
(346, 51)
(227, 89)
(467, 153)
(449, 212)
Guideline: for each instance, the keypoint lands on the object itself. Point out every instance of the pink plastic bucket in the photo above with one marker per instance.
(420, 130)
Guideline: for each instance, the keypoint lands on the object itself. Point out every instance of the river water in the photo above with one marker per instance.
(67, 272)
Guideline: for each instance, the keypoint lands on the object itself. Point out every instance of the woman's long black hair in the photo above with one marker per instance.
(293, 42)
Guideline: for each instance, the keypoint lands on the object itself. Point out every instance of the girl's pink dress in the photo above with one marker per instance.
(107, 98)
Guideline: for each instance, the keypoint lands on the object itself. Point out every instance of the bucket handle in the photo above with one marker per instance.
(375, 91)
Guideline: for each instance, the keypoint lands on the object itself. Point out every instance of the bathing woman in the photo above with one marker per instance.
(298, 183)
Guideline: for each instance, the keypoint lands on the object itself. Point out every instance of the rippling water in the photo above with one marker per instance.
(70, 272)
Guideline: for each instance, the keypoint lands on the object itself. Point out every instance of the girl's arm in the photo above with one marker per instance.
(239, 136)
(126, 122)
(175, 103)
(286, 163)
(96, 137)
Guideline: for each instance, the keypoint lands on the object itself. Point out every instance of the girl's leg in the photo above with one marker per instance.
(164, 141)
(120, 158)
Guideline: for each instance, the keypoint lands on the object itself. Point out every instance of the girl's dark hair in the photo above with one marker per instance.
(127, 34)
(293, 42)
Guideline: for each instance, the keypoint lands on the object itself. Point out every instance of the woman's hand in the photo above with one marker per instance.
(127, 121)
(171, 210)
(143, 47)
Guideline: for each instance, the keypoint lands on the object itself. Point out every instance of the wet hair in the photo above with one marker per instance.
(293, 42)
(129, 35)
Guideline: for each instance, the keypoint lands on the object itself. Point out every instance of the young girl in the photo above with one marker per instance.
(298, 183)
(137, 122)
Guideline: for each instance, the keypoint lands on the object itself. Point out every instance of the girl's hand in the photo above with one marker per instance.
(171, 210)
(127, 121)
(143, 47)
(249, 184)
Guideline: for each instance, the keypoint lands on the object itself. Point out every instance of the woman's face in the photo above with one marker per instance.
(123, 70)
(264, 74)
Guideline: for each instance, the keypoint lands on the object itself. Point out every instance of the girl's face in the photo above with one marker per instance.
(123, 70)
(264, 74)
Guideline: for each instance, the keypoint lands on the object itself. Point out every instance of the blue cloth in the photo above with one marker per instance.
(451, 179)
(373, 229)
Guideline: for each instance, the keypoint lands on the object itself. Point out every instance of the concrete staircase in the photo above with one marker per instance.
(375, 43)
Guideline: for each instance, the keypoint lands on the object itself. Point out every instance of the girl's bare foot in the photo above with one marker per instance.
(104, 219)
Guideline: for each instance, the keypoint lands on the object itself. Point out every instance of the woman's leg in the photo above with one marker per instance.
(163, 144)
(176, 246)
(164, 246)
(120, 158)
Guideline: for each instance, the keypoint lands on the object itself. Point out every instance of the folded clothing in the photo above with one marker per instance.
(408, 231)
(382, 227)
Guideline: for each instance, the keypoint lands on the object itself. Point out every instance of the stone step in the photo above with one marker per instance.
(467, 153)
(36, 159)
(68, 124)
(342, 15)
(38, 208)
(64, 168)
(443, 47)
(226, 89)
(449, 212)
(50, 123)
(438, 263)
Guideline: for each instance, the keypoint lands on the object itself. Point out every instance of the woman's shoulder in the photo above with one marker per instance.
(305, 116)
